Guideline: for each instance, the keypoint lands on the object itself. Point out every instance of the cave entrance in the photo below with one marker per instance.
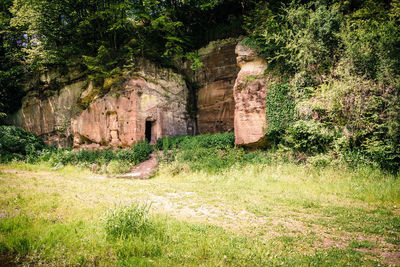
(148, 131)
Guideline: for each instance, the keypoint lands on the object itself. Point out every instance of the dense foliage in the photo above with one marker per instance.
(279, 111)
(17, 144)
(11, 68)
(340, 63)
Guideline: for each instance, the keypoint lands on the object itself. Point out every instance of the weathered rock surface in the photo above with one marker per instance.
(249, 92)
(153, 98)
(216, 79)
(150, 103)
(50, 117)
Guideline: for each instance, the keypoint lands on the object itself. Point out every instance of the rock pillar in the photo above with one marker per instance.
(249, 92)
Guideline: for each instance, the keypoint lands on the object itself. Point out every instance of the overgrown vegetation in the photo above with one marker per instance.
(217, 194)
(336, 64)
(17, 144)
(279, 111)
(326, 193)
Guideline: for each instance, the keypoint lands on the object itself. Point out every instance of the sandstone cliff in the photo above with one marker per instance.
(215, 79)
(150, 103)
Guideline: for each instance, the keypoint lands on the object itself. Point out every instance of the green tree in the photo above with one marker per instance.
(11, 66)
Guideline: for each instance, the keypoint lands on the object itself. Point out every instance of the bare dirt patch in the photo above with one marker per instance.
(144, 170)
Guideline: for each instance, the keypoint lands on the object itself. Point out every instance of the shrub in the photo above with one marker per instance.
(211, 160)
(218, 141)
(118, 166)
(15, 141)
(371, 46)
(63, 157)
(131, 220)
(121, 155)
(279, 111)
(86, 156)
(355, 158)
(118, 161)
(308, 137)
(168, 143)
(298, 38)
(384, 153)
(141, 152)
(320, 160)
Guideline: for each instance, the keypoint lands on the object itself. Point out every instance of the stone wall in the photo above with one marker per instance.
(230, 97)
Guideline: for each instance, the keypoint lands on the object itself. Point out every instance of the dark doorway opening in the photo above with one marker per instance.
(149, 124)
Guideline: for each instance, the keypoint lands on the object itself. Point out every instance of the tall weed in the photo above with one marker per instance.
(131, 220)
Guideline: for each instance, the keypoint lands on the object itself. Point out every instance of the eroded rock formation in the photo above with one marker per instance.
(216, 78)
(47, 112)
(150, 103)
(249, 92)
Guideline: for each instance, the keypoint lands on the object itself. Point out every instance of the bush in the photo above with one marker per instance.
(141, 152)
(297, 38)
(220, 140)
(211, 160)
(118, 166)
(320, 160)
(168, 143)
(279, 111)
(217, 141)
(384, 153)
(118, 161)
(372, 46)
(15, 142)
(131, 220)
(308, 137)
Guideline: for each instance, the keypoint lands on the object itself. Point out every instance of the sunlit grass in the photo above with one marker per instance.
(253, 214)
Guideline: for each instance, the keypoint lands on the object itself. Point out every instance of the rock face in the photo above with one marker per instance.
(149, 104)
(48, 113)
(249, 92)
(216, 78)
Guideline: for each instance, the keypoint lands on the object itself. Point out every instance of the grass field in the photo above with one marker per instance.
(251, 215)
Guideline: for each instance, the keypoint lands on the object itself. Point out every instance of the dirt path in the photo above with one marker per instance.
(144, 170)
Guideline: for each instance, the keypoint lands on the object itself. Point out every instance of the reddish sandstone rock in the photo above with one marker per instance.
(249, 92)
(152, 103)
(49, 117)
(149, 99)
(216, 79)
